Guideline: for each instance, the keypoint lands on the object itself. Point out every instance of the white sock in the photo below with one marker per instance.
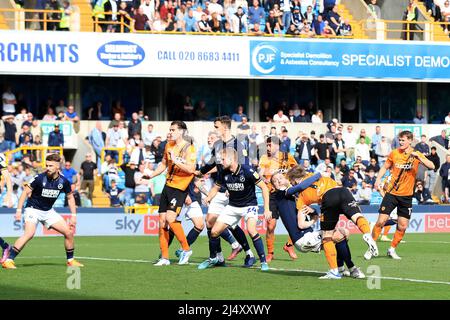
(235, 245)
(352, 268)
(341, 269)
(220, 257)
(250, 253)
(334, 270)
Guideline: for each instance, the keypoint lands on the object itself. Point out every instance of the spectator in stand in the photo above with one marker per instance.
(445, 15)
(70, 173)
(374, 10)
(344, 168)
(280, 117)
(71, 114)
(88, 170)
(339, 148)
(190, 23)
(115, 194)
(317, 117)
(3, 143)
(307, 166)
(422, 146)
(383, 150)
(319, 25)
(345, 29)
(303, 149)
(272, 24)
(188, 109)
(129, 171)
(350, 139)
(29, 121)
(366, 138)
(22, 115)
(149, 135)
(376, 138)
(334, 19)
(285, 141)
(117, 107)
(141, 116)
(60, 107)
(56, 137)
(370, 178)
(362, 150)
(76, 196)
(10, 132)
(265, 112)
(430, 177)
(447, 119)
(364, 195)
(373, 165)
(50, 115)
(442, 139)
(201, 112)
(97, 140)
(9, 102)
(203, 25)
(322, 152)
(114, 139)
(157, 148)
(304, 117)
(142, 183)
(148, 6)
(237, 117)
(141, 21)
(444, 172)
(338, 175)
(254, 139)
(24, 135)
(411, 14)
(419, 118)
(422, 194)
(359, 162)
(255, 13)
(135, 125)
(348, 181)
(134, 142)
(256, 30)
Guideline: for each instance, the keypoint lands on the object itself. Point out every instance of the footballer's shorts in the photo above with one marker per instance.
(218, 203)
(172, 199)
(402, 203)
(232, 215)
(273, 206)
(310, 242)
(335, 202)
(47, 218)
(191, 211)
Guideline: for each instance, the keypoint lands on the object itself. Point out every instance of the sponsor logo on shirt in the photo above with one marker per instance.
(50, 193)
(235, 186)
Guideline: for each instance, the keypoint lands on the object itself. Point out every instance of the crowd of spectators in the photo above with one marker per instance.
(307, 18)
(440, 11)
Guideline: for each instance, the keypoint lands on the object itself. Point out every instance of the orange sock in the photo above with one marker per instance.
(398, 236)
(376, 232)
(289, 243)
(164, 242)
(179, 233)
(363, 225)
(270, 239)
(386, 230)
(330, 253)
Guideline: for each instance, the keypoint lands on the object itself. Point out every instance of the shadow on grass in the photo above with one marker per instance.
(294, 273)
(9, 292)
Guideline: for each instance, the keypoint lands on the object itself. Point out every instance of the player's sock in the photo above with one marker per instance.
(390, 222)
(330, 254)
(289, 243)
(343, 252)
(398, 236)
(220, 257)
(270, 239)
(386, 230)
(3, 244)
(228, 237)
(171, 236)
(179, 233)
(259, 246)
(193, 235)
(164, 242)
(13, 253)
(376, 232)
(363, 225)
(212, 244)
(239, 234)
(69, 254)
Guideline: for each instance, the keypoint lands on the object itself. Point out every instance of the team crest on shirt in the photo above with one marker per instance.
(60, 186)
(241, 178)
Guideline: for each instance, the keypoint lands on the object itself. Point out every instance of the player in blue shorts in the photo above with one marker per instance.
(5, 176)
(240, 181)
(299, 224)
(41, 193)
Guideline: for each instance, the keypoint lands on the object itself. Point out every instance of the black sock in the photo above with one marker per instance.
(193, 235)
(13, 253)
(69, 253)
(343, 253)
(239, 234)
(3, 244)
(259, 246)
(212, 244)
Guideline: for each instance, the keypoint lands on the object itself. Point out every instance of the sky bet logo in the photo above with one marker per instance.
(133, 224)
(264, 57)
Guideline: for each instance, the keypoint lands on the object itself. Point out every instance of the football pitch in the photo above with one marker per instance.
(121, 268)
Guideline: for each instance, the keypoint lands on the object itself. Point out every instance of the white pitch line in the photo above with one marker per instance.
(271, 268)
(440, 242)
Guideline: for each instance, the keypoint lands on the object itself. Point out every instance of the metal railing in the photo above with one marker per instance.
(141, 209)
(119, 150)
(24, 149)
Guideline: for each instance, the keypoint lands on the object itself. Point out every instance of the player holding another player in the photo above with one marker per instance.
(240, 181)
(271, 163)
(333, 201)
(6, 179)
(299, 225)
(403, 163)
(41, 193)
(179, 160)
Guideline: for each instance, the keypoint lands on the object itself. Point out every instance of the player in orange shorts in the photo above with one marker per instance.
(271, 163)
(179, 160)
(403, 163)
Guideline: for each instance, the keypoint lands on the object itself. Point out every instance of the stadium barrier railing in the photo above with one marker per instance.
(21, 18)
(120, 152)
(24, 149)
(141, 209)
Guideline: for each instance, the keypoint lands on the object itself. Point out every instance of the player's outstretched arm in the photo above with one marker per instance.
(301, 217)
(266, 196)
(73, 208)
(159, 169)
(303, 185)
(212, 193)
(8, 199)
(23, 197)
(427, 163)
(381, 174)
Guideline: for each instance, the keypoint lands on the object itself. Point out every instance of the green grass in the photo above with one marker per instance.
(41, 272)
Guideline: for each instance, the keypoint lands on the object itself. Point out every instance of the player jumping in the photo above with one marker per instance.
(403, 163)
(40, 194)
(179, 160)
(240, 181)
(273, 162)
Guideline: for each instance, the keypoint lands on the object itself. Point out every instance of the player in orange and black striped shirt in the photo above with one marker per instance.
(275, 162)
(403, 163)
